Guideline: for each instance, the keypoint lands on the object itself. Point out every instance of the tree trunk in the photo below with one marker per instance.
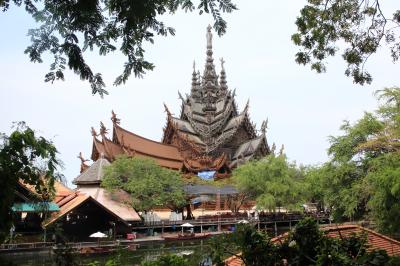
(189, 215)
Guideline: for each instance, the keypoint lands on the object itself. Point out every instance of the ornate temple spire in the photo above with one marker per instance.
(209, 75)
(194, 77)
(222, 79)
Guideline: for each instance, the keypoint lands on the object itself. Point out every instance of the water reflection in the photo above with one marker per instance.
(196, 252)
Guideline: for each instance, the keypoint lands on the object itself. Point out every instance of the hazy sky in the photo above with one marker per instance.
(303, 108)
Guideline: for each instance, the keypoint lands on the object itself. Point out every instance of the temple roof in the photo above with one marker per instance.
(209, 128)
(117, 202)
(247, 148)
(128, 143)
(93, 174)
(146, 146)
(209, 116)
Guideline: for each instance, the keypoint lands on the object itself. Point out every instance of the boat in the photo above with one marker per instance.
(190, 236)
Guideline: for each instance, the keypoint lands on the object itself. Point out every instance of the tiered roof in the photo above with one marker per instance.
(210, 121)
(209, 135)
(128, 143)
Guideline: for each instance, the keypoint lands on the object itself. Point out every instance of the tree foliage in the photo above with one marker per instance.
(149, 184)
(360, 25)
(26, 157)
(305, 245)
(246, 243)
(167, 260)
(362, 178)
(272, 181)
(67, 29)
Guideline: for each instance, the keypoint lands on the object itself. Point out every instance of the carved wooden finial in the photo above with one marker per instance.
(282, 150)
(222, 63)
(103, 129)
(167, 110)
(84, 166)
(246, 108)
(180, 96)
(83, 160)
(209, 37)
(264, 126)
(273, 148)
(93, 131)
(114, 118)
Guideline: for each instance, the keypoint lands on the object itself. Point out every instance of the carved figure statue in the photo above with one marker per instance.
(209, 36)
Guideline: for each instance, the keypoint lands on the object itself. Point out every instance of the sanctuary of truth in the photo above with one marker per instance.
(210, 134)
(209, 138)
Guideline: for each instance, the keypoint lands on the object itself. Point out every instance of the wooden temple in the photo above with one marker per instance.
(210, 134)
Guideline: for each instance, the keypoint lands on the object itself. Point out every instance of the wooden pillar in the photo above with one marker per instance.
(276, 229)
(218, 202)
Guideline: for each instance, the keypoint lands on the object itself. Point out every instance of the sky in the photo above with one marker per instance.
(303, 108)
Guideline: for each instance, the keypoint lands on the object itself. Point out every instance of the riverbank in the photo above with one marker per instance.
(193, 250)
(47, 247)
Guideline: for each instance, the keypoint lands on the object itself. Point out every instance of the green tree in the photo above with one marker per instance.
(167, 260)
(362, 177)
(358, 25)
(384, 184)
(305, 245)
(67, 29)
(149, 184)
(26, 157)
(246, 243)
(272, 181)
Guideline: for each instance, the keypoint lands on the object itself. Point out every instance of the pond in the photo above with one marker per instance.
(196, 252)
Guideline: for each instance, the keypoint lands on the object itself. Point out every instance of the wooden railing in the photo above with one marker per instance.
(47, 245)
(21, 246)
(233, 220)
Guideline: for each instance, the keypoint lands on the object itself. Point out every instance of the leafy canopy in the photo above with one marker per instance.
(362, 177)
(272, 181)
(167, 260)
(26, 157)
(149, 184)
(360, 25)
(305, 245)
(67, 29)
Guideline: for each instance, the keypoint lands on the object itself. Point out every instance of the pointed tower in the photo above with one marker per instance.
(210, 78)
(222, 80)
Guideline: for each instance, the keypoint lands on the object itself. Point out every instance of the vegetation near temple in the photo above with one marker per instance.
(272, 181)
(26, 157)
(361, 180)
(167, 260)
(149, 184)
(305, 245)
(359, 26)
(362, 177)
(104, 25)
